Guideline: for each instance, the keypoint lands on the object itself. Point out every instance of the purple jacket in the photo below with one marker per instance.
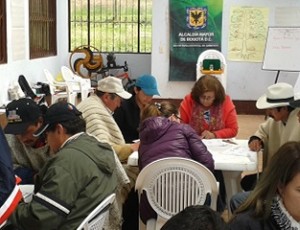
(161, 138)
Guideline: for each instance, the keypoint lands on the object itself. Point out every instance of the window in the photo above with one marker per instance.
(122, 26)
(3, 54)
(42, 28)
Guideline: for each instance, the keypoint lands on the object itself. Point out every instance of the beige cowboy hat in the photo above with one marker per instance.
(277, 95)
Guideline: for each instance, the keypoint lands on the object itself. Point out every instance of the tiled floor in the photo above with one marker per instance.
(248, 124)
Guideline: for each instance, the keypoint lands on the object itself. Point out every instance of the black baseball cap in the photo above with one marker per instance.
(20, 114)
(57, 113)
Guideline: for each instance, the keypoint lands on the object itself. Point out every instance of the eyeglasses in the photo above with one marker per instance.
(207, 98)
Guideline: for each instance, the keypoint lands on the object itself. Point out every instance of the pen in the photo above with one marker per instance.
(230, 142)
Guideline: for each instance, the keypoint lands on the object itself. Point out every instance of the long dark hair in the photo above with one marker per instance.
(284, 165)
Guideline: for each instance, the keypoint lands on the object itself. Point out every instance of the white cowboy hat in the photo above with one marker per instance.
(277, 95)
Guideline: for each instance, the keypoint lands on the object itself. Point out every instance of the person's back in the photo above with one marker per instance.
(74, 181)
(161, 138)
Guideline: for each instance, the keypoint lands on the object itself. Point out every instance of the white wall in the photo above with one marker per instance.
(31, 69)
(245, 81)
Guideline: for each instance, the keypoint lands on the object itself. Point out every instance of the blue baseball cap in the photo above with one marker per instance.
(148, 84)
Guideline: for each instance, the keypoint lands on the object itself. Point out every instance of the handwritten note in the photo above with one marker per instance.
(282, 50)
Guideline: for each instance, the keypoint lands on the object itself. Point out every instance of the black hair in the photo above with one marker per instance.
(196, 217)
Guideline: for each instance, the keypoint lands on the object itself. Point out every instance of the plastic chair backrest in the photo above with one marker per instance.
(52, 86)
(175, 183)
(96, 219)
(212, 62)
(76, 83)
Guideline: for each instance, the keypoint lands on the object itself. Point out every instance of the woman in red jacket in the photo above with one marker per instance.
(209, 110)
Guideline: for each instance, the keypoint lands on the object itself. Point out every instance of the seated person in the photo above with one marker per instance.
(161, 136)
(274, 203)
(29, 153)
(209, 110)
(97, 111)
(72, 183)
(127, 115)
(9, 194)
(281, 126)
(197, 217)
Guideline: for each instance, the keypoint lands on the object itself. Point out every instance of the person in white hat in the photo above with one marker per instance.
(282, 126)
(97, 111)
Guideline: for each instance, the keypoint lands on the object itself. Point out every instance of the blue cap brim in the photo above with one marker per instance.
(151, 92)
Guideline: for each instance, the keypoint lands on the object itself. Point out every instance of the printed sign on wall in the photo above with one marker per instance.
(195, 26)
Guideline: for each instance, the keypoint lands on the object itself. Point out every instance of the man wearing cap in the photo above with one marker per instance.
(72, 183)
(29, 153)
(127, 115)
(279, 128)
(97, 111)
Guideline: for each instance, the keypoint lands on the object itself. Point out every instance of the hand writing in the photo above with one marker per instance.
(207, 135)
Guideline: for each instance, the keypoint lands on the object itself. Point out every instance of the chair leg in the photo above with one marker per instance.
(151, 224)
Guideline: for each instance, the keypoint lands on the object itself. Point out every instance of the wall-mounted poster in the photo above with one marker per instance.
(195, 26)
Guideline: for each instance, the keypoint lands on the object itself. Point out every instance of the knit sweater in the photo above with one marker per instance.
(101, 124)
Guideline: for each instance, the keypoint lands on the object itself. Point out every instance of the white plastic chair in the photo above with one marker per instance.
(173, 184)
(55, 86)
(209, 57)
(75, 83)
(96, 219)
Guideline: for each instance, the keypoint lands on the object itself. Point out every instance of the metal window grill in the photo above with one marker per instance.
(42, 28)
(122, 26)
(3, 52)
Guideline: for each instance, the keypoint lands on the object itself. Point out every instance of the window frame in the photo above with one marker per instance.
(42, 28)
(3, 32)
(88, 36)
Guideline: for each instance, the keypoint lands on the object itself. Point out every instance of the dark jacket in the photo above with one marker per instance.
(161, 138)
(127, 116)
(246, 221)
(69, 186)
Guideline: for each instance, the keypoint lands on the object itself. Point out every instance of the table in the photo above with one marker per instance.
(231, 156)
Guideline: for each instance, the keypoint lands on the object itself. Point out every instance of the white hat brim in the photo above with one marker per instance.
(124, 95)
(262, 103)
